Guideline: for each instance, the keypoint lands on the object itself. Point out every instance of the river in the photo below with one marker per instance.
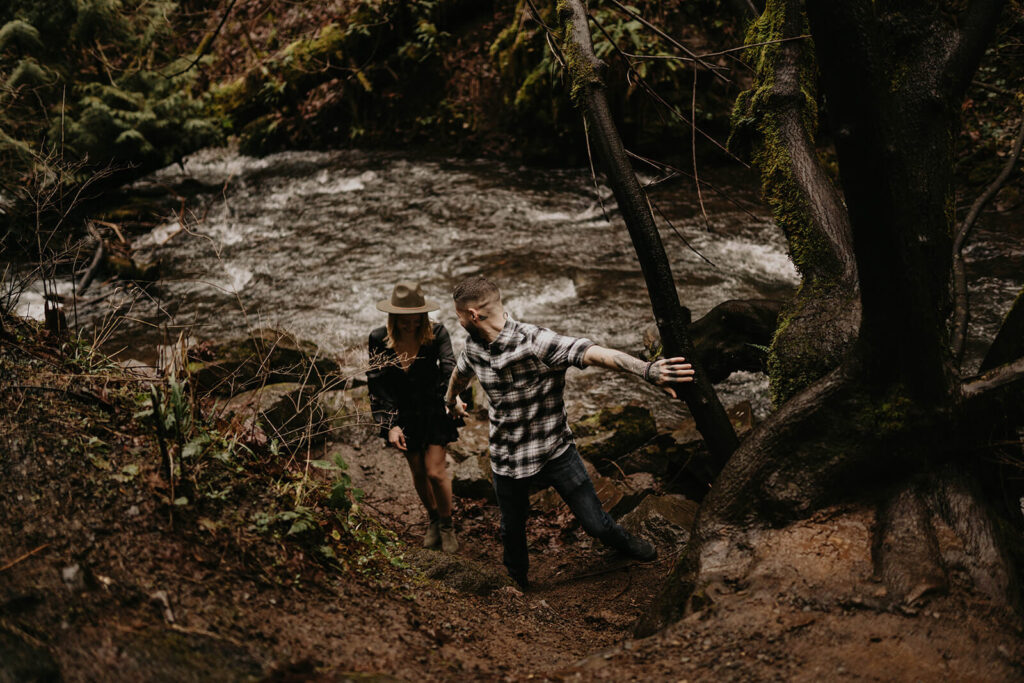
(309, 241)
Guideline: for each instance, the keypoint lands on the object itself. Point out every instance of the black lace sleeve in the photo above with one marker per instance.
(445, 358)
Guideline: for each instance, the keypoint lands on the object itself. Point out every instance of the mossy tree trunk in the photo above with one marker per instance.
(774, 122)
(883, 432)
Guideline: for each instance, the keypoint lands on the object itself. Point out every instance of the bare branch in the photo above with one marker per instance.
(961, 312)
(1004, 375)
(207, 42)
(714, 69)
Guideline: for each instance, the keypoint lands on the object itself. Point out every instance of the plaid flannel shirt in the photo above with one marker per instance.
(523, 373)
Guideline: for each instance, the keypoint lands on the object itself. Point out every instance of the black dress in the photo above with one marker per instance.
(413, 399)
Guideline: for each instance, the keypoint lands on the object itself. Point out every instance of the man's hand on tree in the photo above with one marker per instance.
(396, 437)
(667, 371)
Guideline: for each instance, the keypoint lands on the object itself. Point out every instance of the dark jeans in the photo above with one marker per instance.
(569, 477)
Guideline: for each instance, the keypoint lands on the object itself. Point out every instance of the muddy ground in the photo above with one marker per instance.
(102, 579)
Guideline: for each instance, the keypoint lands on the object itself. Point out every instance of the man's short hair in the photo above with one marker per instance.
(475, 290)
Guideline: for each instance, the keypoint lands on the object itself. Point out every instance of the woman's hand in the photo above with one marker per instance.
(458, 408)
(396, 437)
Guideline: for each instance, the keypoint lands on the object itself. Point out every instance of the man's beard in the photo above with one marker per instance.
(476, 336)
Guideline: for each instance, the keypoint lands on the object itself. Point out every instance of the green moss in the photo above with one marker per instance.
(580, 69)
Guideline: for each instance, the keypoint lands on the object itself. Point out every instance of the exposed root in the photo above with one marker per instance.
(906, 552)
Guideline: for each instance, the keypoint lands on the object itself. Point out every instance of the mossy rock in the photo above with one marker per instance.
(680, 456)
(611, 433)
(265, 357)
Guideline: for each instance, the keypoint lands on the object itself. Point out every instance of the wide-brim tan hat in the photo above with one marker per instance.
(407, 298)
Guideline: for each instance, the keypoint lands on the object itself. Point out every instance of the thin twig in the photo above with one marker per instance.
(669, 167)
(24, 557)
(207, 42)
(632, 72)
(693, 150)
(593, 173)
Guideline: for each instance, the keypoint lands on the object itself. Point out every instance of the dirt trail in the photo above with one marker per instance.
(582, 598)
(101, 579)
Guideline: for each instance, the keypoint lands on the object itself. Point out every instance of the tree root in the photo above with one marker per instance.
(906, 552)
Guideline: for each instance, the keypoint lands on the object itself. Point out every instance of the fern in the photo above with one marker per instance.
(19, 35)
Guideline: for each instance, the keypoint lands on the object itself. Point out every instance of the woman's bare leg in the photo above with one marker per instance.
(419, 479)
(437, 476)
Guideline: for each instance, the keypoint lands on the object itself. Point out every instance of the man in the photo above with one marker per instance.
(522, 369)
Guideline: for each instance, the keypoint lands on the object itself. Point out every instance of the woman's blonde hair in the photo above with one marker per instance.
(424, 331)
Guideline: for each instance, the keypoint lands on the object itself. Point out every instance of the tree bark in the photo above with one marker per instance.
(777, 118)
(588, 93)
(884, 440)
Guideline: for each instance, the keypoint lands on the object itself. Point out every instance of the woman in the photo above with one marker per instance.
(411, 360)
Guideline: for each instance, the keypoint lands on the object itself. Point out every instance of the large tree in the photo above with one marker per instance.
(870, 465)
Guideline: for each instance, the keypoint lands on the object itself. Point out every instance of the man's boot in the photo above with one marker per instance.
(639, 549)
(449, 543)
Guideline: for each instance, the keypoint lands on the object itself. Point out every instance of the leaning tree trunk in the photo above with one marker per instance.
(876, 453)
(672, 319)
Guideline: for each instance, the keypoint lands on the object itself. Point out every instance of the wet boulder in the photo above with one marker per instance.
(474, 440)
(663, 519)
(731, 336)
(289, 412)
(264, 357)
(611, 433)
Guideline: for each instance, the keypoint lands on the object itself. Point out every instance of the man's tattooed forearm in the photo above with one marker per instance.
(629, 364)
(456, 385)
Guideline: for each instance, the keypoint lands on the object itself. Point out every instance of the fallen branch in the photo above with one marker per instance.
(94, 266)
(1002, 376)
(81, 396)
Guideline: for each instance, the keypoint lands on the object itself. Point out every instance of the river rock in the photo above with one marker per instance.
(664, 519)
(264, 357)
(474, 440)
(617, 496)
(731, 336)
(290, 412)
(471, 478)
(611, 433)
(348, 413)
